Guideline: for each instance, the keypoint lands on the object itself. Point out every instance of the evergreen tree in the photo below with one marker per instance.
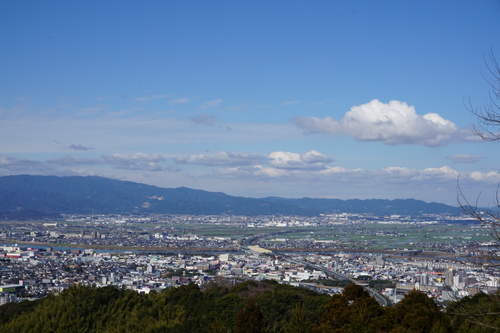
(298, 323)
(250, 319)
(416, 313)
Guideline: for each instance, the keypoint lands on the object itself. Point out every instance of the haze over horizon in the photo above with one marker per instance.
(328, 99)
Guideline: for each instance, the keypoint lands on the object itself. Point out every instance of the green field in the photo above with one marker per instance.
(376, 236)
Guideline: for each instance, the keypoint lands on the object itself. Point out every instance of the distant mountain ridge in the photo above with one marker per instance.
(48, 196)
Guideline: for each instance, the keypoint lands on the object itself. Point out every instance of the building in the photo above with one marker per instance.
(11, 288)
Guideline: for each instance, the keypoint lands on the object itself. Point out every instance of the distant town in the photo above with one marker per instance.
(446, 257)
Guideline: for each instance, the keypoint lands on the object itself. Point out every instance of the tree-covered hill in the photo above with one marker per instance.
(250, 306)
(47, 196)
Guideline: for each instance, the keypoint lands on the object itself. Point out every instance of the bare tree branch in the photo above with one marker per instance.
(488, 129)
(488, 116)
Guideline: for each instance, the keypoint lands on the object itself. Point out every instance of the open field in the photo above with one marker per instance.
(373, 236)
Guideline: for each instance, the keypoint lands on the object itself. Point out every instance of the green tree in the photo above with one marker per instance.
(352, 311)
(299, 322)
(416, 313)
(479, 313)
(250, 319)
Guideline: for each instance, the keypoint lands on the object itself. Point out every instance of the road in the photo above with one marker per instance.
(379, 298)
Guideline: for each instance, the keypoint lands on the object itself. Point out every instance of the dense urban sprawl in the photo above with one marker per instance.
(154, 253)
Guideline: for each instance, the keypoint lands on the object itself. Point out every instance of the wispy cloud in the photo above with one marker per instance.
(180, 100)
(262, 168)
(393, 123)
(361, 177)
(239, 106)
(320, 102)
(204, 119)
(80, 147)
(91, 111)
(72, 160)
(138, 161)
(145, 99)
(281, 172)
(222, 158)
(211, 104)
(311, 160)
(464, 158)
(15, 165)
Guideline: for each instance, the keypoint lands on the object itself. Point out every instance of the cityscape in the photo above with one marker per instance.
(250, 166)
(442, 256)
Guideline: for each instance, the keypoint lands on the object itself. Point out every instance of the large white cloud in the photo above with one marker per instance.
(392, 123)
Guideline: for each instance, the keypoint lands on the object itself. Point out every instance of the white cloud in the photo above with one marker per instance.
(14, 165)
(239, 106)
(464, 158)
(392, 123)
(138, 161)
(311, 160)
(491, 176)
(181, 100)
(270, 172)
(252, 171)
(406, 175)
(211, 104)
(400, 176)
(444, 172)
(338, 170)
(288, 160)
(221, 158)
(72, 160)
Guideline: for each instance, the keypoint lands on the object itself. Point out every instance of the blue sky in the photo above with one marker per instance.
(331, 99)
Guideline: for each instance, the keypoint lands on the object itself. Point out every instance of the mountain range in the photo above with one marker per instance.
(27, 196)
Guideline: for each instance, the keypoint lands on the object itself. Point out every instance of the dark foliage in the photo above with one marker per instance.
(479, 313)
(249, 307)
(10, 311)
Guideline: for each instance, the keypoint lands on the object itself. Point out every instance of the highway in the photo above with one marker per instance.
(379, 298)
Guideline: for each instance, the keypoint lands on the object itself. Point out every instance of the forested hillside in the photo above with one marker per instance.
(31, 197)
(250, 306)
